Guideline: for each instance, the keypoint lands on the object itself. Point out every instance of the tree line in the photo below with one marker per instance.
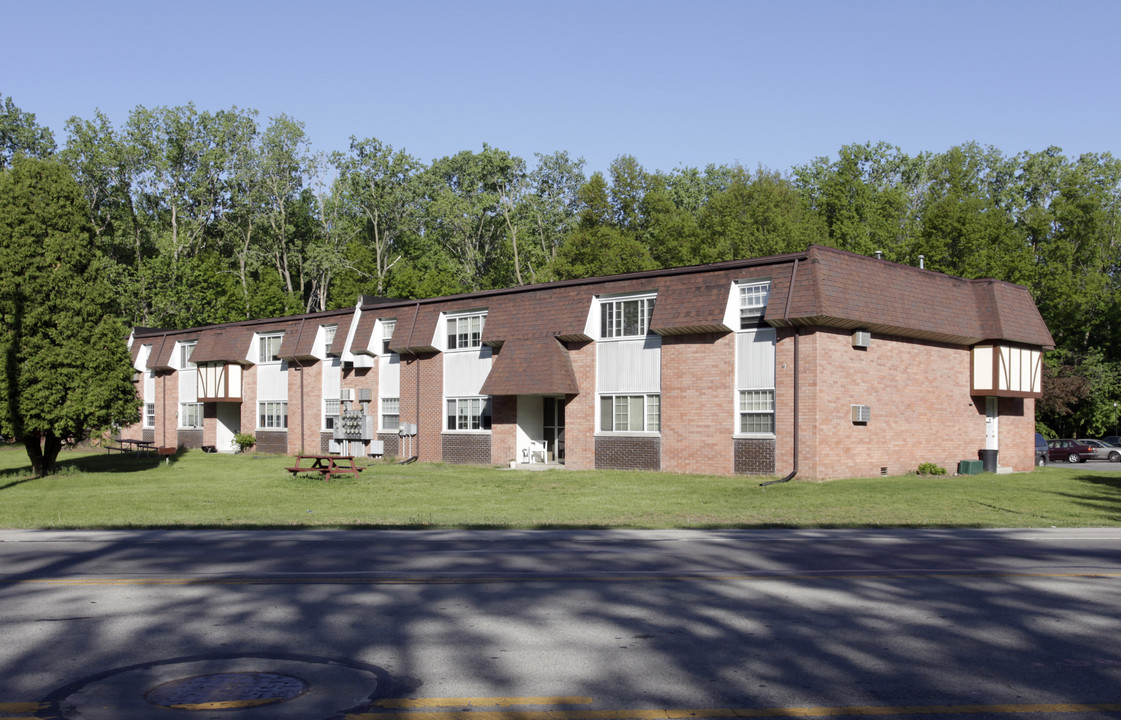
(204, 217)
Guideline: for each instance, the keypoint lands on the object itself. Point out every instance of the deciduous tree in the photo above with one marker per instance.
(65, 367)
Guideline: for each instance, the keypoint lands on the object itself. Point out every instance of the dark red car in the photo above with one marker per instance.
(1069, 450)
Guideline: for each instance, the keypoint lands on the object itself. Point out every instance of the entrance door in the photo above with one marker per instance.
(554, 427)
(229, 424)
(992, 414)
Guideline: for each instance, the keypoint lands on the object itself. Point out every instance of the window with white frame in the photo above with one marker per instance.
(329, 335)
(149, 415)
(753, 301)
(272, 415)
(387, 328)
(630, 413)
(185, 352)
(465, 332)
(755, 381)
(390, 413)
(269, 348)
(190, 415)
(330, 413)
(468, 413)
(757, 411)
(625, 317)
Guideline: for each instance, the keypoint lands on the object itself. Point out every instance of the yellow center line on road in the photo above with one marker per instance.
(480, 702)
(19, 710)
(702, 713)
(326, 580)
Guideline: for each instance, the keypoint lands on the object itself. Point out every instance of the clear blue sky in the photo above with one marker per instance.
(672, 83)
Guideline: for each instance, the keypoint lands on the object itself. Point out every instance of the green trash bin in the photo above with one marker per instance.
(970, 467)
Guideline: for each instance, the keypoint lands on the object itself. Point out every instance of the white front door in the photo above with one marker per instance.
(229, 424)
(992, 414)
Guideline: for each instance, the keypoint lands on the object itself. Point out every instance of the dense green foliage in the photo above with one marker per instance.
(65, 368)
(95, 490)
(207, 217)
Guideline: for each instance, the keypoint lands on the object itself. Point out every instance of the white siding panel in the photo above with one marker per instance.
(389, 376)
(272, 381)
(983, 367)
(629, 365)
(755, 359)
(332, 377)
(465, 372)
(188, 385)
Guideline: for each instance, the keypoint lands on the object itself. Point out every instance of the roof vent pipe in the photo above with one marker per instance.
(879, 254)
(922, 261)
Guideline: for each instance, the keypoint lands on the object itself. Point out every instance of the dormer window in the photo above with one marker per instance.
(269, 348)
(387, 328)
(329, 335)
(753, 302)
(465, 332)
(185, 350)
(626, 317)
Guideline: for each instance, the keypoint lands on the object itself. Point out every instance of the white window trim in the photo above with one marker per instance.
(183, 413)
(456, 317)
(645, 415)
(382, 413)
(740, 432)
(149, 419)
(185, 351)
(645, 316)
(260, 411)
(327, 412)
(261, 340)
(387, 327)
(753, 311)
(485, 401)
(737, 414)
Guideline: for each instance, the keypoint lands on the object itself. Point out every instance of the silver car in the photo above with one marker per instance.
(1103, 450)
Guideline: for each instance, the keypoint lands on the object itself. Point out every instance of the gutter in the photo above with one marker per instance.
(797, 334)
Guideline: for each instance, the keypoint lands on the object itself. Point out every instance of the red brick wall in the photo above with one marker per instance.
(784, 403)
(249, 401)
(580, 412)
(698, 411)
(504, 430)
(921, 410)
(428, 445)
(1016, 433)
(167, 409)
(305, 407)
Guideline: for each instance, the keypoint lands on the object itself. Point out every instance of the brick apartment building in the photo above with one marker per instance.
(823, 363)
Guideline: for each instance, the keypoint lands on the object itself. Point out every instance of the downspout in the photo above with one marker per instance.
(785, 316)
(416, 408)
(300, 370)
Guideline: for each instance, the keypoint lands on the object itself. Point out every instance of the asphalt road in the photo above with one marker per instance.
(559, 625)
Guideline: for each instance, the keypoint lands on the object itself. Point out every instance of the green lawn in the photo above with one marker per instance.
(93, 490)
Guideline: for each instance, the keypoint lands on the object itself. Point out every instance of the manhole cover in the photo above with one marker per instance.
(221, 691)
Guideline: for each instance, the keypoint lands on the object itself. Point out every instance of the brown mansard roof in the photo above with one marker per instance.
(820, 287)
(835, 288)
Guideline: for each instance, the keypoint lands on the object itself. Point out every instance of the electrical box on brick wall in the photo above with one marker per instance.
(354, 426)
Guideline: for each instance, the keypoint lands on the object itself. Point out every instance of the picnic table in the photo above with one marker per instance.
(131, 445)
(325, 465)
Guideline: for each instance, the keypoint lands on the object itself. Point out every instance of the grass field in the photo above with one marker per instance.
(197, 490)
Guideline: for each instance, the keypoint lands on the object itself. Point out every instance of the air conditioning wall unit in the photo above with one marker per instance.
(364, 395)
(346, 394)
(861, 339)
(861, 413)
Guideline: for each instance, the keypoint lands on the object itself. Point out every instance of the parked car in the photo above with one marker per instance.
(1040, 450)
(1112, 440)
(1103, 450)
(1069, 450)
